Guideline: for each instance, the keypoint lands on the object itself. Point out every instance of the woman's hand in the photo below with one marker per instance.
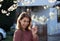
(34, 30)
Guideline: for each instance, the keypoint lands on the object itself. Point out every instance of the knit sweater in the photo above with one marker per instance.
(24, 36)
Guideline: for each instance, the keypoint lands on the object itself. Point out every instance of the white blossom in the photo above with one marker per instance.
(8, 14)
(1, 0)
(33, 1)
(19, 0)
(3, 11)
(13, 7)
(57, 7)
(15, 1)
(52, 15)
(43, 19)
(51, 1)
(45, 7)
(33, 17)
(26, 2)
(0, 5)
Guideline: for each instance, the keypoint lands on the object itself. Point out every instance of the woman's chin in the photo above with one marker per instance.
(24, 27)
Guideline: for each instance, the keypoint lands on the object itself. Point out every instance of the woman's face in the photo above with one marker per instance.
(24, 22)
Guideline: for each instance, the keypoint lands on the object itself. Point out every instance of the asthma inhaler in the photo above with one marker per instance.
(33, 25)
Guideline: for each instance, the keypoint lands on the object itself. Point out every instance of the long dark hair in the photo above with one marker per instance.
(21, 16)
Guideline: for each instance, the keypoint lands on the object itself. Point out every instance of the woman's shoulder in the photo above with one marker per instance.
(17, 31)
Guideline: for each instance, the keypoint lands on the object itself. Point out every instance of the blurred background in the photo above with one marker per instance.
(44, 13)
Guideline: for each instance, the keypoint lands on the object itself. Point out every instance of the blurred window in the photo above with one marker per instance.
(58, 16)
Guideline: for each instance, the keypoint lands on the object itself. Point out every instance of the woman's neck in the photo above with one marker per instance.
(24, 30)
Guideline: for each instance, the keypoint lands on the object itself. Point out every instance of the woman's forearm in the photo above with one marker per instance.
(35, 37)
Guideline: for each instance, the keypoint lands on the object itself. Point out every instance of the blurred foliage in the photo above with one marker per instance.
(7, 21)
(8, 38)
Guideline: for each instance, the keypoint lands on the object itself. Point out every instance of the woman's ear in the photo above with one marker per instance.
(19, 21)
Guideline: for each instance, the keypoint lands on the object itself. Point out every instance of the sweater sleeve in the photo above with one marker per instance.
(34, 38)
(17, 35)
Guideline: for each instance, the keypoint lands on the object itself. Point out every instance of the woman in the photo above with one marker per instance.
(23, 33)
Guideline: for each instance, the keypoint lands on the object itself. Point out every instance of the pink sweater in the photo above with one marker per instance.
(24, 36)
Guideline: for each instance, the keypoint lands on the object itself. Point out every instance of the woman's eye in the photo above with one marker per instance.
(26, 21)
